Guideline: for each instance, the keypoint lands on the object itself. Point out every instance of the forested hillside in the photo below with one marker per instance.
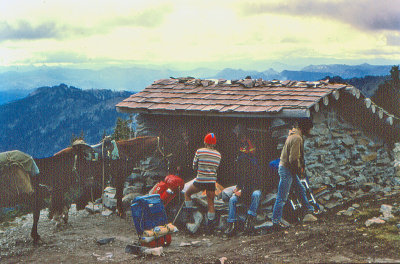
(45, 121)
(367, 85)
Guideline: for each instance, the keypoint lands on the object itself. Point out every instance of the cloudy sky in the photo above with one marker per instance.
(185, 33)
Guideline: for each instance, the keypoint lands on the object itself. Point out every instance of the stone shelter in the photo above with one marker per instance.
(351, 150)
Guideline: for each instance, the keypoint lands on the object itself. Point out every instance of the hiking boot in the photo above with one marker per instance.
(231, 230)
(210, 226)
(249, 224)
(276, 227)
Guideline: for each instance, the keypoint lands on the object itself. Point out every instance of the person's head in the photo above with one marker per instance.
(210, 140)
(305, 124)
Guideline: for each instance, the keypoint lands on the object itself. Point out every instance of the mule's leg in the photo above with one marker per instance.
(51, 213)
(57, 204)
(36, 211)
(120, 176)
(34, 234)
(119, 193)
(65, 214)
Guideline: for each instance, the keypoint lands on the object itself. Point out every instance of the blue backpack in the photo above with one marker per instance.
(274, 164)
(148, 212)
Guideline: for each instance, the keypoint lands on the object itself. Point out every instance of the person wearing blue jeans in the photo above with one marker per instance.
(291, 165)
(249, 181)
(285, 183)
(255, 202)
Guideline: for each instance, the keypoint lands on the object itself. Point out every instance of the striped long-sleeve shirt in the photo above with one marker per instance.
(207, 162)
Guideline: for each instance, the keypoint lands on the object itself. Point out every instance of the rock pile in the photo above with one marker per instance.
(151, 169)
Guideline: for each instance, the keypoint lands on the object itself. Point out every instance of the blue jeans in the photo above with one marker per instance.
(255, 202)
(285, 183)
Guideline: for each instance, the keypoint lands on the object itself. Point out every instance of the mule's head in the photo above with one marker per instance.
(80, 148)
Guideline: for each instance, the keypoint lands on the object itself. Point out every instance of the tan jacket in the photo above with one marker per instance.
(292, 155)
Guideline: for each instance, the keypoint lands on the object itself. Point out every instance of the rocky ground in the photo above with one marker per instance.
(335, 237)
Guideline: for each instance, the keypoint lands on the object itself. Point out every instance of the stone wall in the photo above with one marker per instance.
(151, 169)
(349, 164)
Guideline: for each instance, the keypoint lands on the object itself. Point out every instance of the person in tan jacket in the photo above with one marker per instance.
(291, 167)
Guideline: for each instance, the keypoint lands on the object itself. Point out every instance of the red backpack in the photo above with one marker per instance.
(169, 188)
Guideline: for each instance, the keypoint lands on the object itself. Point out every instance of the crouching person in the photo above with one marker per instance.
(249, 181)
(207, 161)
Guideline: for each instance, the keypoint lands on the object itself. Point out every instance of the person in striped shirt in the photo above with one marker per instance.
(207, 161)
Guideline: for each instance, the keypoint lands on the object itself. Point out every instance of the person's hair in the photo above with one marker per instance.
(209, 146)
(304, 124)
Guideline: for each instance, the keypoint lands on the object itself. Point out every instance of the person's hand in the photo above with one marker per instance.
(237, 192)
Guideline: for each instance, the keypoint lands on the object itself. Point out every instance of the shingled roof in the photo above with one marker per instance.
(189, 96)
(243, 98)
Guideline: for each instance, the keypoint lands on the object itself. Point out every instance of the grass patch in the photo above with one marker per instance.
(388, 232)
(364, 215)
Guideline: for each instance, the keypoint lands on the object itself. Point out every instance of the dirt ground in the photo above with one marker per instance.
(332, 238)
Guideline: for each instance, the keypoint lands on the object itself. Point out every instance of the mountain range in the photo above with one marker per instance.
(16, 83)
(45, 121)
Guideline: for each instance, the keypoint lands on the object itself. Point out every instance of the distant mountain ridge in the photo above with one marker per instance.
(348, 71)
(43, 123)
(311, 72)
(137, 78)
(114, 78)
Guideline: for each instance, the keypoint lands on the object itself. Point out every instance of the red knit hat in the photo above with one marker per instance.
(210, 139)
